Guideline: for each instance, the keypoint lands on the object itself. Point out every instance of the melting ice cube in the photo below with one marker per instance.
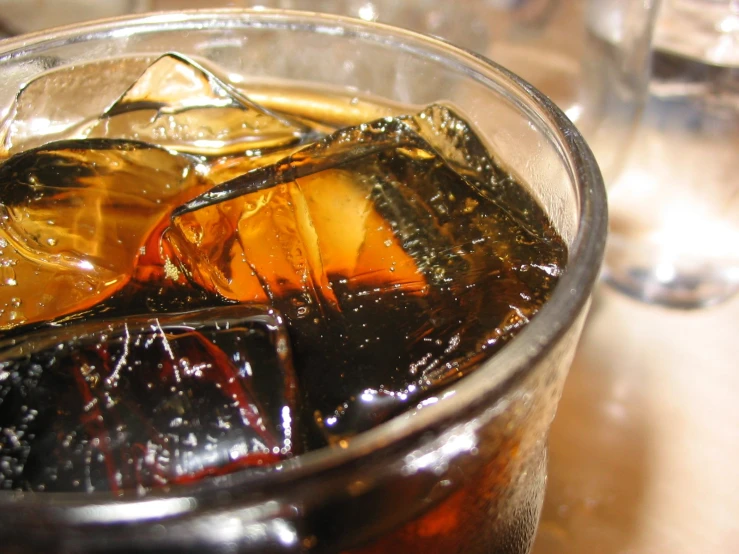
(172, 102)
(140, 403)
(178, 104)
(74, 217)
(407, 220)
(61, 103)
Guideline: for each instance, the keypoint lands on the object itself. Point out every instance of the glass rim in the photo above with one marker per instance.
(494, 376)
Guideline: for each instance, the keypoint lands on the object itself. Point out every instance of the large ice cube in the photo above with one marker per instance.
(60, 103)
(74, 218)
(175, 103)
(403, 219)
(178, 104)
(147, 402)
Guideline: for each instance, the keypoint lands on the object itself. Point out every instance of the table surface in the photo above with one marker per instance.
(644, 449)
(644, 446)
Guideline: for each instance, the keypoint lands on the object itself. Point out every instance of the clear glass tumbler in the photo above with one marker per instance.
(464, 474)
(675, 224)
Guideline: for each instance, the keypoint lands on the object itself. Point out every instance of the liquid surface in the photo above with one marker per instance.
(373, 264)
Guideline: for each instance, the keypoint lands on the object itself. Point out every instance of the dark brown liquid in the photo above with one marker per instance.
(145, 402)
(399, 254)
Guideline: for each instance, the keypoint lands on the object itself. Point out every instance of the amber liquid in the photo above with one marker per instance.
(394, 277)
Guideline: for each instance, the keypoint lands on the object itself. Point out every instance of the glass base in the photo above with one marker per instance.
(640, 271)
(674, 210)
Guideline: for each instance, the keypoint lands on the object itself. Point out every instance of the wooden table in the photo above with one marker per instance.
(644, 449)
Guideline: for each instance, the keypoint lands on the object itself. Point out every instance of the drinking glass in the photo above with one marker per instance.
(465, 473)
(675, 208)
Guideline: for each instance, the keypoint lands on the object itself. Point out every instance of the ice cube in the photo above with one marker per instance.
(179, 104)
(294, 239)
(62, 102)
(74, 218)
(172, 102)
(455, 140)
(400, 253)
(139, 403)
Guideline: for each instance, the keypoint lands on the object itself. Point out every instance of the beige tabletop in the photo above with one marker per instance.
(644, 449)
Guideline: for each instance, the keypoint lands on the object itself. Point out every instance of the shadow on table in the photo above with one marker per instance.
(599, 453)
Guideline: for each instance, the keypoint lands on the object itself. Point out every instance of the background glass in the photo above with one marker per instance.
(408, 471)
(675, 224)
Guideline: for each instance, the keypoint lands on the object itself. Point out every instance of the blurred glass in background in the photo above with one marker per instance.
(675, 209)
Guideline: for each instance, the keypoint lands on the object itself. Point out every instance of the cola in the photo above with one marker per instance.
(196, 284)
